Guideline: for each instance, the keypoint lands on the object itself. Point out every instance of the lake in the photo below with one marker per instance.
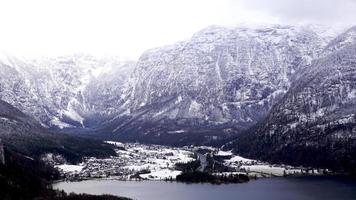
(294, 188)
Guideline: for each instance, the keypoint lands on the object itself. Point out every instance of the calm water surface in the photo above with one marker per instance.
(302, 188)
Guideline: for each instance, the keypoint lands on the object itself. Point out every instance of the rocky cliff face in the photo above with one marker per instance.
(224, 78)
(315, 123)
(52, 90)
(221, 81)
(223, 74)
(287, 91)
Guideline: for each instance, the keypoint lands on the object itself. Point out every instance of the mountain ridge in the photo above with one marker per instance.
(227, 77)
(314, 124)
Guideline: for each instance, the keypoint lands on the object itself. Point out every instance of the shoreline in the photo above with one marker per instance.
(139, 162)
(175, 181)
(284, 187)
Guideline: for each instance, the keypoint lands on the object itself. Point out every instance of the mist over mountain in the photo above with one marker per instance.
(51, 90)
(270, 86)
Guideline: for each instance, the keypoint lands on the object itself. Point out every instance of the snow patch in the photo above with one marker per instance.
(72, 114)
(70, 168)
(118, 144)
(224, 153)
(238, 159)
(161, 174)
(352, 94)
(269, 169)
(194, 109)
(177, 131)
(4, 119)
(56, 122)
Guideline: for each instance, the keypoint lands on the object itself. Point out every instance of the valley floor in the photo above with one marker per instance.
(155, 162)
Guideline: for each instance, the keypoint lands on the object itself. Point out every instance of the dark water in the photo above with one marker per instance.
(302, 188)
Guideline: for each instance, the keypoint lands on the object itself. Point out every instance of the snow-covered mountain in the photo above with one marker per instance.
(51, 90)
(315, 123)
(221, 81)
(287, 93)
(106, 95)
(23, 135)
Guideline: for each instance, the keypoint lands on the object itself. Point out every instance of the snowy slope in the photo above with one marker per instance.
(219, 82)
(315, 123)
(51, 89)
(223, 78)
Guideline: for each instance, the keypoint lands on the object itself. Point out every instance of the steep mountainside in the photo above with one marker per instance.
(219, 82)
(22, 134)
(105, 95)
(315, 123)
(51, 90)
(288, 94)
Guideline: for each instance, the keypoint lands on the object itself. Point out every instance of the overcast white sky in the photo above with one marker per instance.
(126, 28)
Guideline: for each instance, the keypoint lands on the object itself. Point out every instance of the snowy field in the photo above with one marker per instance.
(156, 162)
(70, 168)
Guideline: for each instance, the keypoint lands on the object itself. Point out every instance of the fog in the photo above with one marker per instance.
(128, 28)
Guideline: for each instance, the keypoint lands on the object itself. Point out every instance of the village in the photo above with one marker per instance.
(155, 162)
